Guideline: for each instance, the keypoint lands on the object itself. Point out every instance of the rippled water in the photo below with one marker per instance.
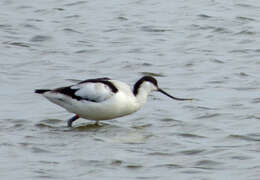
(207, 50)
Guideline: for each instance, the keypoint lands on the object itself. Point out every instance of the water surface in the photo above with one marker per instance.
(208, 50)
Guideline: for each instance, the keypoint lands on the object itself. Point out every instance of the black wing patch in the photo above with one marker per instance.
(68, 92)
(102, 80)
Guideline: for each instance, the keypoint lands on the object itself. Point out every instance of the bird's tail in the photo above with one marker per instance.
(41, 91)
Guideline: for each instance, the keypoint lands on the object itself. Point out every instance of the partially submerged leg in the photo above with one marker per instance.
(97, 123)
(71, 120)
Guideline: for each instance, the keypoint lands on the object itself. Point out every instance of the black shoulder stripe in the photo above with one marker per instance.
(95, 80)
(110, 85)
(71, 93)
(104, 80)
(68, 91)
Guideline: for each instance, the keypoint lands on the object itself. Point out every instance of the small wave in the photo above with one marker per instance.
(134, 166)
(188, 135)
(243, 137)
(246, 32)
(256, 100)
(204, 16)
(20, 44)
(242, 18)
(207, 164)
(116, 162)
(169, 165)
(40, 38)
(70, 30)
(122, 18)
(216, 29)
(39, 150)
(72, 16)
(217, 61)
(245, 5)
(76, 3)
(153, 74)
(154, 29)
(208, 116)
(192, 152)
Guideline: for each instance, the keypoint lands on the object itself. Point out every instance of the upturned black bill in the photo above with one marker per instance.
(179, 99)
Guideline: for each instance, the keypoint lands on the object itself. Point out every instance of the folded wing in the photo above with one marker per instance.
(94, 90)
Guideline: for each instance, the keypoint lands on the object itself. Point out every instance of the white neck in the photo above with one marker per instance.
(143, 92)
(142, 96)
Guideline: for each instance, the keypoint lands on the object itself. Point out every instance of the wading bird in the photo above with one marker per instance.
(103, 98)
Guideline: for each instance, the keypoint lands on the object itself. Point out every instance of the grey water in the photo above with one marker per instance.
(203, 49)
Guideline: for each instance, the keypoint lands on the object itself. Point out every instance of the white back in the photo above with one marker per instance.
(93, 91)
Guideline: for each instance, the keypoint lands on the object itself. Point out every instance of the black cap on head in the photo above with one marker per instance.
(143, 79)
(154, 82)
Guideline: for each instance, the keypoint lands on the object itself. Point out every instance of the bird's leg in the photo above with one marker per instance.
(71, 120)
(97, 123)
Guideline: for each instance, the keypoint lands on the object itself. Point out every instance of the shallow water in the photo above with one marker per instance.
(208, 50)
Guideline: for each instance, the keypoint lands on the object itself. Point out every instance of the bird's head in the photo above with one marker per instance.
(149, 83)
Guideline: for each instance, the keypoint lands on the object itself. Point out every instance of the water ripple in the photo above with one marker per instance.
(204, 16)
(192, 151)
(76, 3)
(209, 115)
(154, 29)
(192, 136)
(40, 38)
(208, 164)
(243, 137)
(20, 44)
(243, 18)
(206, 49)
(152, 74)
